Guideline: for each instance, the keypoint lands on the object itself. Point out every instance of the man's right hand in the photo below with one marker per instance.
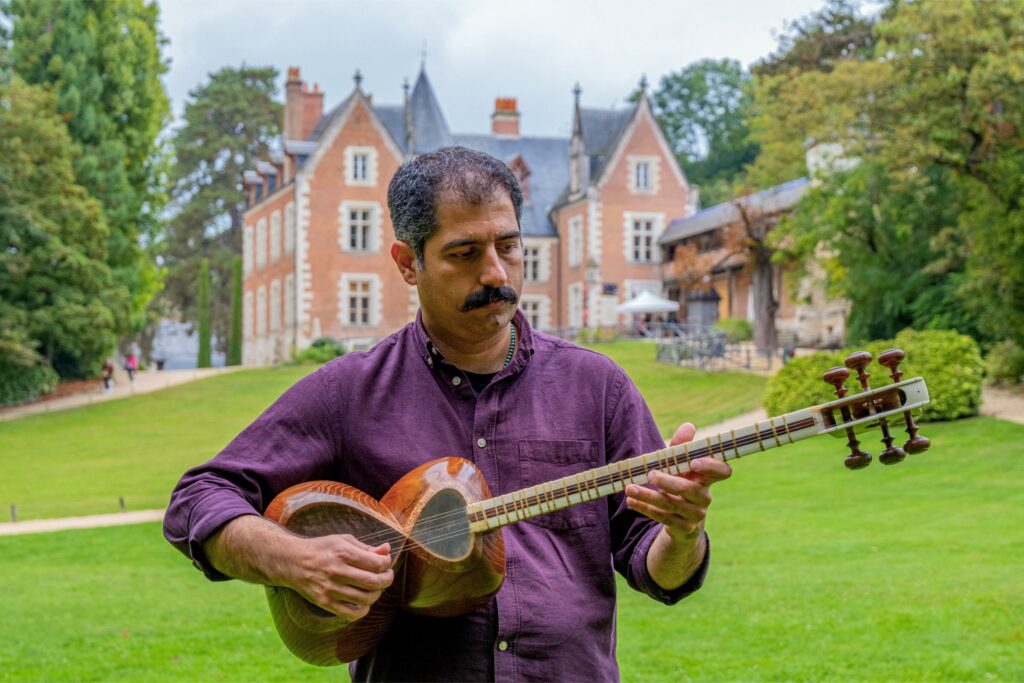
(342, 574)
(338, 572)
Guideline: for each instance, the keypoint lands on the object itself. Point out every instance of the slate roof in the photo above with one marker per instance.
(548, 159)
(601, 130)
(327, 119)
(430, 131)
(773, 200)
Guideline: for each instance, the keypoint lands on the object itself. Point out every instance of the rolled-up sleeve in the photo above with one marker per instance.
(293, 441)
(631, 431)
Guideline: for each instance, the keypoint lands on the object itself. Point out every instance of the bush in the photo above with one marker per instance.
(596, 335)
(322, 350)
(1005, 363)
(949, 362)
(21, 383)
(736, 329)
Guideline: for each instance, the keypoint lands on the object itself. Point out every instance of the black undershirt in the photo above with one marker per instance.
(478, 382)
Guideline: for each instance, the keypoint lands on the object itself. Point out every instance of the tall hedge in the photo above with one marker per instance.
(203, 310)
(235, 334)
(950, 364)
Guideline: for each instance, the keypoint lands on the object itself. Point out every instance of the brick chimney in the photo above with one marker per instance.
(302, 108)
(505, 119)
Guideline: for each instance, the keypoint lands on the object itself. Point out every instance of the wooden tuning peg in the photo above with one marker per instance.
(857, 458)
(857, 362)
(892, 359)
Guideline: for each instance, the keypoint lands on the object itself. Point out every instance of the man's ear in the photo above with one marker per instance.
(403, 256)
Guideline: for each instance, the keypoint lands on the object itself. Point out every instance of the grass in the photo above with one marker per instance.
(120, 604)
(138, 447)
(905, 573)
(79, 461)
(676, 395)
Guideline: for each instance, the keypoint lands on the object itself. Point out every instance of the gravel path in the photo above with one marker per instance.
(145, 382)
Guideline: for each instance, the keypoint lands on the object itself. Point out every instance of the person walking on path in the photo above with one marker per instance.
(131, 361)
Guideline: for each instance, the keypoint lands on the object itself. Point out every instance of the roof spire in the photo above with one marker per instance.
(423, 57)
(643, 83)
(358, 78)
(577, 123)
(410, 135)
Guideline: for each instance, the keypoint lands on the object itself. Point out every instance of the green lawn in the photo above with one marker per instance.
(906, 573)
(912, 572)
(79, 461)
(676, 395)
(138, 447)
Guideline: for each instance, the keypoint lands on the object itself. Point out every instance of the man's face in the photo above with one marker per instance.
(472, 272)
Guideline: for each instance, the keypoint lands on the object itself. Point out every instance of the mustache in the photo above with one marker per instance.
(489, 295)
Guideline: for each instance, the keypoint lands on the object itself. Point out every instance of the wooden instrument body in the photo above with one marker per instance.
(441, 567)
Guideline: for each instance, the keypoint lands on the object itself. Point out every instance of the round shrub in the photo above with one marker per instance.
(950, 364)
(21, 383)
(322, 350)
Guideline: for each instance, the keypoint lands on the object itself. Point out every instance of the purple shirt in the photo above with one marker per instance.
(366, 419)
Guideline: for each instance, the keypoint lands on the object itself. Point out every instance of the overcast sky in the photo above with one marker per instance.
(476, 50)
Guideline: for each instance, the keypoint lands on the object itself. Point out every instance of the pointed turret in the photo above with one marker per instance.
(429, 127)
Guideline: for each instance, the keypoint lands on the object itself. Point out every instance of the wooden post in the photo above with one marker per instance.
(120, 500)
(14, 512)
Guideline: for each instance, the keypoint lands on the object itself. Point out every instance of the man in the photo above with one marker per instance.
(469, 378)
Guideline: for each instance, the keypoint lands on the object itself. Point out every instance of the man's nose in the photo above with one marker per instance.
(493, 273)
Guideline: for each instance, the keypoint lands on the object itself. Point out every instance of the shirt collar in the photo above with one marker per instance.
(524, 346)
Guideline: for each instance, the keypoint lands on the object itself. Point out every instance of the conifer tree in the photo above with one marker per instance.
(229, 123)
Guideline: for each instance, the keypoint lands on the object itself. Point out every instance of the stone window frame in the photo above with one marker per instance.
(629, 230)
(368, 168)
(574, 247)
(373, 305)
(373, 236)
(652, 164)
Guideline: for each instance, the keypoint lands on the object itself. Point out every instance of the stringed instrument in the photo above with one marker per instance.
(444, 526)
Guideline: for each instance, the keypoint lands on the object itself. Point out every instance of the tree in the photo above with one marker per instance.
(203, 312)
(821, 40)
(882, 237)
(958, 102)
(229, 124)
(235, 346)
(704, 110)
(59, 301)
(103, 62)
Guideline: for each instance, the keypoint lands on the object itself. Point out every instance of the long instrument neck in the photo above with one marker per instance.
(559, 494)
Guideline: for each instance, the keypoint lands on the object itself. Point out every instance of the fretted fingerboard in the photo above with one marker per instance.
(559, 494)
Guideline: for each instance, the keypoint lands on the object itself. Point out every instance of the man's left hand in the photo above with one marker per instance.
(680, 502)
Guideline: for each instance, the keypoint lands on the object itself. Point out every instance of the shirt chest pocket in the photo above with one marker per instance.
(541, 462)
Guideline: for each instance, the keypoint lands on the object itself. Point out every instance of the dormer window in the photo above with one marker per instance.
(521, 170)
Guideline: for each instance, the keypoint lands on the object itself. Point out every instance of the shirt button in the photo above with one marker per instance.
(456, 381)
(481, 442)
(503, 645)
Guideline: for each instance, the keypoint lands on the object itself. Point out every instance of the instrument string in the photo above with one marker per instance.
(434, 528)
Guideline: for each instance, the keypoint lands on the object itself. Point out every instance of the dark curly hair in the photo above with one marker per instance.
(456, 173)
